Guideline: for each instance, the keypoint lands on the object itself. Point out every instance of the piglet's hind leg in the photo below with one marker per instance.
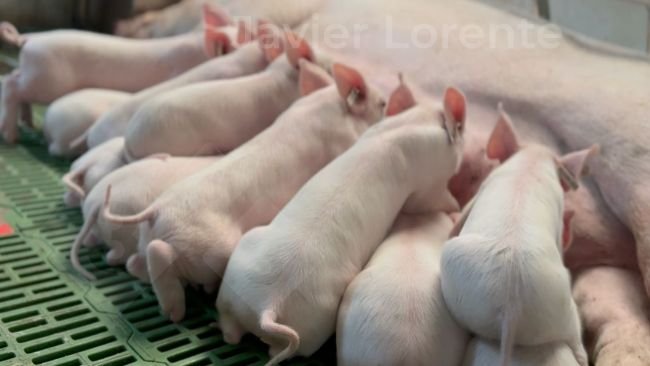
(164, 277)
(232, 331)
(137, 266)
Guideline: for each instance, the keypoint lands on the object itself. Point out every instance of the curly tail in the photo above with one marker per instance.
(145, 215)
(70, 182)
(10, 34)
(78, 242)
(268, 324)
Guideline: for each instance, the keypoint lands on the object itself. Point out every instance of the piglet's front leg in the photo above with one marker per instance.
(613, 307)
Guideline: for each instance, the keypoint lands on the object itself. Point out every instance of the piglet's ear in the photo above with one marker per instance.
(270, 40)
(298, 48)
(216, 43)
(351, 85)
(575, 165)
(244, 33)
(402, 99)
(455, 111)
(567, 229)
(312, 78)
(215, 17)
(503, 142)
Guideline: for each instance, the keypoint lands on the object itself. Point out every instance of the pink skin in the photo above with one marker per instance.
(134, 188)
(248, 187)
(246, 60)
(216, 117)
(614, 309)
(284, 282)
(393, 312)
(69, 117)
(90, 168)
(55, 63)
(573, 103)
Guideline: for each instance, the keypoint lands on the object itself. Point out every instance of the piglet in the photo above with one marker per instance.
(503, 277)
(483, 353)
(90, 168)
(246, 60)
(393, 312)
(69, 117)
(216, 117)
(284, 282)
(55, 63)
(188, 234)
(134, 188)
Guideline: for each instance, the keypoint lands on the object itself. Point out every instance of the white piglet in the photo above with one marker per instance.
(71, 116)
(284, 282)
(216, 117)
(134, 188)
(55, 63)
(393, 313)
(503, 277)
(188, 234)
(245, 60)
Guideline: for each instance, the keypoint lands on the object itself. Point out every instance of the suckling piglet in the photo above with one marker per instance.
(90, 168)
(189, 233)
(216, 117)
(56, 63)
(503, 277)
(246, 60)
(134, 188)
(284, 282)
(484, 353)
(71, 116)
(393, 313)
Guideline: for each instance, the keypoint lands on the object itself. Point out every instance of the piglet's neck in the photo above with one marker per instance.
(277, 86)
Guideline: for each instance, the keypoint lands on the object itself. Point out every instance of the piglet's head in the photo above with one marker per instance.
(452, 117)
(504, 143)
(479, 159)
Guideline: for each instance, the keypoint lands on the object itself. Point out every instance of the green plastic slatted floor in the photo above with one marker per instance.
(51, 316)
